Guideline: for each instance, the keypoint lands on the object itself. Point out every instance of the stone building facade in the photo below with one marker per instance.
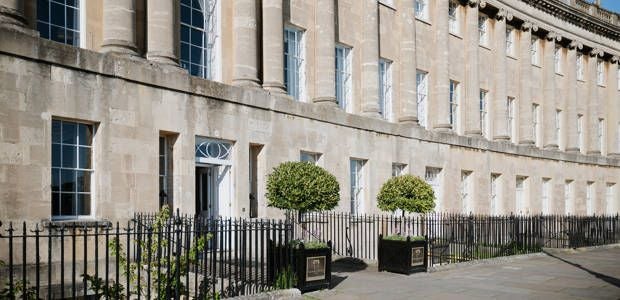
(108, 107)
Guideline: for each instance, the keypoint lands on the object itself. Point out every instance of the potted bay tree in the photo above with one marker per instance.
(402, 253)
(304, 187)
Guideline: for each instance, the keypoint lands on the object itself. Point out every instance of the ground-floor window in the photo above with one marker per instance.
(357, 185)
(432, 176)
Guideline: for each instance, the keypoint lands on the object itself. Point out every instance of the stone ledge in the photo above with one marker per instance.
(294, 294)
(142, 71)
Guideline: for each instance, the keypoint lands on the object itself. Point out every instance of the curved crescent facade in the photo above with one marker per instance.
(113, 107)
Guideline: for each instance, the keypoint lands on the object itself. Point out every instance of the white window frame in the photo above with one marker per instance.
(164, 173)
(210, 44)
(398, 169)
(81, 21)
(512, 118)
(453, 105)
(453, 17)
(580, 136)
(579, 66)
(421, 9)
(546, 196)
(357, 185)
(311, 157)
(590, 197)
(521, 204)
(600, 72)
(534, 50)
(557, 59)
(433, 176)
(496, 195)
(484, 122)
(294, 55)
(422, 94)
(385, 90)
(569, 205)
(344, 80)
(601, 135)
(466, 192)
(510, 40)
(558, 127)
(483, 32)
(610, 198)
(536, 124)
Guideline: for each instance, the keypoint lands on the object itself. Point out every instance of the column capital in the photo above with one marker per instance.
(503, 15)
(474, 3)
(553, 36)
(615, 59)
(529, 26)
(596, 52)
(575, 45)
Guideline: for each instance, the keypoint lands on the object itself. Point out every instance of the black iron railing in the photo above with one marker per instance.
(147, 257)
(458, 237)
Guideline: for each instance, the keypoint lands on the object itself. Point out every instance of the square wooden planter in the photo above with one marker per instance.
(403, 257)
(312, 267)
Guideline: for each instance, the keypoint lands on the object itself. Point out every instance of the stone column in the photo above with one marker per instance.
(273, 46)
(440, 90)
(549, 106)
(572, 141)
(245, 43)
(613, 109)
(472, 84)
(370, 59)
(408, 87)
(12, 14)
(500, 108)
(325, 59)
(593, 146)
(162, 31)
(119, 27)
(526, 124)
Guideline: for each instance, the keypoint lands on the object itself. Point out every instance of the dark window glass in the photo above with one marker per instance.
(69, 133)
(83, 204)
(67, 179)
(83, 181)
(184, 52)
(44, 30)
(57, 12)
(197, 19)
(186, 14)
(84, 158)
(184, 33)
(85, 134)
(55, 204)
(43, 7)
(55, 180)
(197, 38)
(57, 34)
(56, 155)
(67, 203)
(196, 55)
(69, 157)
(56, 134)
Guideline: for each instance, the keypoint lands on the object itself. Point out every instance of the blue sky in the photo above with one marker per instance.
(611, 5)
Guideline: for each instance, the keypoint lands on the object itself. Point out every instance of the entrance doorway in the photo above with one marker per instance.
(206, 191)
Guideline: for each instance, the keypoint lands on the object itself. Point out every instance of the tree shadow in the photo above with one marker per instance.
(348, 264)
(611, 280)
(336, 280)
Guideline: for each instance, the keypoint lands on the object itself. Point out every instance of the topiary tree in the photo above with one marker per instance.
(407, 193)
(303, 187)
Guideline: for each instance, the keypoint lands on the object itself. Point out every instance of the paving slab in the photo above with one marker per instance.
(591, 274)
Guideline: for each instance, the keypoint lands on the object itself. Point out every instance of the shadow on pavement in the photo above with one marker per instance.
(611, 280)
(336, 280)
(348, 264)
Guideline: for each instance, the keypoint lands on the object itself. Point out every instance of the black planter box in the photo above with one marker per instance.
(403, 257)
(312, 267)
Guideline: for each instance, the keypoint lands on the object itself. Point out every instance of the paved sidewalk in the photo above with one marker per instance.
(592, 274)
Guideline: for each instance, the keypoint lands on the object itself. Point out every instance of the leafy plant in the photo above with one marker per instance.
(397, 237)
(408, 193)
(309, 245)
(303, 187)
(285, 279)
(21, 290)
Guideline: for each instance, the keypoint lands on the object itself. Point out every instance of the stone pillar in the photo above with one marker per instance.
(593, 146)
(408, 87)
(273, 46)
(119, 27)
(440, 85)
(548, 105)
(370, 59)
(245, 43)
(500, 108)
(325, 59)
(526, 124)
(12, 14)
(572, 142)
(472, 84)
(613, 109)
(162, 31)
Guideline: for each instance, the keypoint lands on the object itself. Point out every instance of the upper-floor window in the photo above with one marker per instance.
(422, 89)
(293, 62)
(385, 89)
(483, 32)
(557, 59)
(600, 72)
(343, 77)
(510, 41)
(580, 137)
(199, 37)
(558, 126)
(453, 17)
(398, 169)
(534, 53)
(72, 169)
(311, 157)
(579, 66)
(483, 113)
(535, 123)
(454, 104)
(61, 21)
(510, 113)
(421, 9)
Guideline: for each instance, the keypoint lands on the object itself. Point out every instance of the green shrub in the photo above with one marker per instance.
(407, 193)
(397, 237)
(303, 187)
(285, 279)
(309, 245)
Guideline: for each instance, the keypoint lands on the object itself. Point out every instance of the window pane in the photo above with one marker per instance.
(185, 51)
(195, 70)
(197, 19)
(56, 131)
(186, 16)
(74, 3)
(196, 55)
(43, 10)
(83, 181)
(57, 34)
(85, 134)
(55, 155)
(73, 20)
(55, 204)
(57, 14)
(67, 180)
(162, 165)
(184, 34)
(55, 180)
(196, 39)
(44, 30)
(69, 133)
(67, 204)
(72, 38)
(83, 204)
(84, 157)
(69, 157)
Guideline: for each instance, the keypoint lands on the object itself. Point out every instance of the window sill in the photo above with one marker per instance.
(76, 223)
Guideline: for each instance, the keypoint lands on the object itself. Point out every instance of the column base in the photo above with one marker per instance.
(119, 47)
(527, 143)
(501, 138)
(594, 152)
(274, 87)
(614, 155)
(552, 147)
(442, 127)
(409, 120)
(574, 150)
(163, 58)
(330, 101)
(371, 110)
(13, 19)
(246, 82)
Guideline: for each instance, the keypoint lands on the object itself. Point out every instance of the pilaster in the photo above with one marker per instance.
(325, 59)
(613, 109)
(370, 59)
(572, 142)
(161, 20)
(408, 89)
(245, 43)
(119, 27)
(500, 106)
(440, 79)
(472, 88)
(593, 145)
(273, 46)
(526, 128)
(549, 106)
(12, 15)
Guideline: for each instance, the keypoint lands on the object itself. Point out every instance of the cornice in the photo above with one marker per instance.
(577, 17)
